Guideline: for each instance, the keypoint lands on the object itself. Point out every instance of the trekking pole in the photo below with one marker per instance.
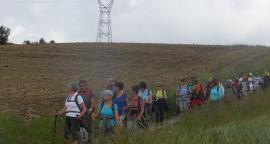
(88, 125)
(93, 130)
(54, 128)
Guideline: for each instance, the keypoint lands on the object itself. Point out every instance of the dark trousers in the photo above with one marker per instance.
(159, 108)
(72, 128)
(147, 110)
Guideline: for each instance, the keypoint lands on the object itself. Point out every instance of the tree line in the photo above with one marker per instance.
(5, 33)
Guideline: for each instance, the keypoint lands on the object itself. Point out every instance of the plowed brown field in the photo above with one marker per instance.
(33, 78)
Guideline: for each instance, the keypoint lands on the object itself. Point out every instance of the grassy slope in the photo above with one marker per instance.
(14, 131)
(245, 121)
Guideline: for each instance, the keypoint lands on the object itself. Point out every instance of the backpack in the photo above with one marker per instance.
(84, 125)
(138, 107)
(199, 95)
(215, 93)
(166, 107)
(181, 87)
(86, 101)
(112, 107)
(163, 93)
(148, 93)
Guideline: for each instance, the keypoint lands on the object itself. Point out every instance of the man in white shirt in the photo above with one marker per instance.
(146, 95)
(74, 109)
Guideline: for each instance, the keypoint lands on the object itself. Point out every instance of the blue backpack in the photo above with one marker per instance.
(183, 91)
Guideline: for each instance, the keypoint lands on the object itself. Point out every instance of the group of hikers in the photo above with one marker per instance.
(244, 84)
(114, 108)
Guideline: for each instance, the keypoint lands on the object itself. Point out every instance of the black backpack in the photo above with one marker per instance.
(86, 101)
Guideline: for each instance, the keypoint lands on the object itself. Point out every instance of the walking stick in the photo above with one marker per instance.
(93, 131)
(88, 126)
(54, 128)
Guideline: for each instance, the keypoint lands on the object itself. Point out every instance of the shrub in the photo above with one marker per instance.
(4, 34)
(26, 42)
(52, 42)
(42, 41)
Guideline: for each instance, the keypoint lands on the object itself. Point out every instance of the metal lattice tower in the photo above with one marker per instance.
(104, 33)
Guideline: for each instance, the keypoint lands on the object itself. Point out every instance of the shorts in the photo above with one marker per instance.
(122, 119)
(182, 105)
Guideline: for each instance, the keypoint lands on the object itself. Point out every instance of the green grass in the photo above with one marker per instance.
(245, 121)
(13, 130)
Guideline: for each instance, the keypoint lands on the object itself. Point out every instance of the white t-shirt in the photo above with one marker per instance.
(72, 109)
(145, 95)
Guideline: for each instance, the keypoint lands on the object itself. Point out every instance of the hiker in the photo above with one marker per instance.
(135, 109)
(229, 83)
(110, 85)
(121, 100)
(236, 88)
(217, 92)
(198, 93)
(146, 95)
(74, 109)
(182, 97)
(244, 85)
(266, 73)
(250, 79)
(209, 86)
(258, 82)
(266, 79)
(89, 101)
(86, 92)
(160, 104)
(190, 84)
(108, 113)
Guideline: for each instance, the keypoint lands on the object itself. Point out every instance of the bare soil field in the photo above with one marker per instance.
(34, 78)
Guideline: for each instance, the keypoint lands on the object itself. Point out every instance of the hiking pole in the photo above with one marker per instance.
(93, 131)
(88, 126)
(54, 128)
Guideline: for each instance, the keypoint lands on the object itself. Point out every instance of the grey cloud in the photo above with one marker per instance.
(165, 21)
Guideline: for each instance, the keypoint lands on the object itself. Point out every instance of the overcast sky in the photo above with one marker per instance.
(155, 21)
